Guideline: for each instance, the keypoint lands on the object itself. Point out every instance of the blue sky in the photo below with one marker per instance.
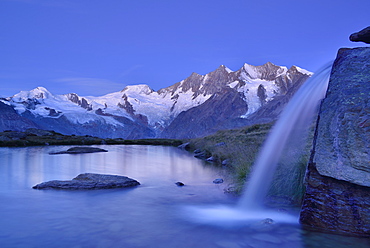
(94, 47)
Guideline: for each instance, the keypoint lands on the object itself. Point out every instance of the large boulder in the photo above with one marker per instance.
(363, 35)
(338, 176)
(90, 181)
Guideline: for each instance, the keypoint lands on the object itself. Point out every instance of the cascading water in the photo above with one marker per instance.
(297, 115)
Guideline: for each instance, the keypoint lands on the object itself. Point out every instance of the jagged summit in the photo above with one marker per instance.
(138, 111)
(298, 69)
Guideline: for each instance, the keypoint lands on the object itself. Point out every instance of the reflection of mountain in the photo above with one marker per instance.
(196, 106)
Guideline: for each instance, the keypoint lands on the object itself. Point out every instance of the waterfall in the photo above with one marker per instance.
(295, 119)
(298, 113)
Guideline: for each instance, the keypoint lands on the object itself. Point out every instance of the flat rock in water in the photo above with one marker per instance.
(80, 149)
(90, 181)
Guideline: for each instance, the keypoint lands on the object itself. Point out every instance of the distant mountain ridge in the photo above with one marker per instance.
(202, 103)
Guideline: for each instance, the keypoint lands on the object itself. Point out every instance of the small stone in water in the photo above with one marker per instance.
(267, 221)
(218, 180)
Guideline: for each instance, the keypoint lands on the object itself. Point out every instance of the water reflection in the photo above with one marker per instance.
(151, 215)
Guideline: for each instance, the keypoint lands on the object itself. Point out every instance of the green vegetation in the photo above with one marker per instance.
(34, 137)
(236, 148)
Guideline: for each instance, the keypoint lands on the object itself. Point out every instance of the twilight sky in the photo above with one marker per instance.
(95, 47)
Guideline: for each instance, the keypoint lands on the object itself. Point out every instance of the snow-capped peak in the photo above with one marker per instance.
(38, 93)
(223, 67)
(303, 71)
(255, 85)
(139, 89)
(250, 70)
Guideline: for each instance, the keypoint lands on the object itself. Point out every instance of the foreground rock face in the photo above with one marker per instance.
(90, 181)
(338, 177)
(343, 135)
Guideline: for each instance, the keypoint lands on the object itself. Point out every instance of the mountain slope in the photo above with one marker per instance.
(222, 97)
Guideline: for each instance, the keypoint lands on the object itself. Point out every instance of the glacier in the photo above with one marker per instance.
(156, 110)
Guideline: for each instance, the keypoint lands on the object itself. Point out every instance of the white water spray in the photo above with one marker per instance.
(299, 112)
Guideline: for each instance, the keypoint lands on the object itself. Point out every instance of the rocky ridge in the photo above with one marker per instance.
(140, 112)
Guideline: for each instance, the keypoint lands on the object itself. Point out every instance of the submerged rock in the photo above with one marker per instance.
(90, 181)
(80, 149)
(267, 221)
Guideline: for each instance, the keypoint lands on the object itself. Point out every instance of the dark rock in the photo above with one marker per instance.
(180, 184)
(363, 36)
(201, 155)
(81, 149)
(184, 146)
(218, 180)
(335, 205)
(90, 181)
(211, 159)
(337, 196)
(79, 101)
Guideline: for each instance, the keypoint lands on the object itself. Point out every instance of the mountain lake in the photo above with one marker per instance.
(154, 214)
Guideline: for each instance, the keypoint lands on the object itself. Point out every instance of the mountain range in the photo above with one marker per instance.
(194, 107)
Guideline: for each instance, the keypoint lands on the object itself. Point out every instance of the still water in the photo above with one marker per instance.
(153, 214)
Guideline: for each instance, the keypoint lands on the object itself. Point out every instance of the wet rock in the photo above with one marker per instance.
(180, 184)
(184, 146)
(218, 180)
(89, 181)
(200, 155)
(211, 159)
(363, 36)
(267, 221)
(78, 150)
